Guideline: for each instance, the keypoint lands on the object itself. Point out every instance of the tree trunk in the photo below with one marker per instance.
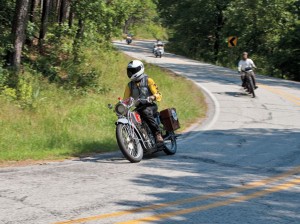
(219, 27)
(32, 13)
(57, 9)
(44, 21)
(71, 16)
(78, 37)
(18, 32)
(63, 11)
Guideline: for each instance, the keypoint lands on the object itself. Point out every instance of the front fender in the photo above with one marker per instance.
(139, 135)
(122, 121)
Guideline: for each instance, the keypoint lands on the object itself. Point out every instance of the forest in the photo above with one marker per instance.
(268, 29)
(46, 34)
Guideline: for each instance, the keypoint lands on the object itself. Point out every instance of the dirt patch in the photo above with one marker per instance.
(27, 163)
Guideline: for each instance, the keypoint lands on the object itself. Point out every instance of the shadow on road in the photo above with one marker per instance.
(235, 159)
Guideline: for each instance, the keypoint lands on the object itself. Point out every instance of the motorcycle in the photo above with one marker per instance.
(158, 51)
(134, 137)
(128, 40)
(249, 82)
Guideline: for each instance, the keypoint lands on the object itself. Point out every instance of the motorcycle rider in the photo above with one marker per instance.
(129, 38)
(157, 44)
(244, 63)
(143, 87)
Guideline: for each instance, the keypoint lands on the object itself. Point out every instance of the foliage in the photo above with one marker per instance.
(86, 23)
(6, 18)
(150, 31)
(25, 93)
(269, 30)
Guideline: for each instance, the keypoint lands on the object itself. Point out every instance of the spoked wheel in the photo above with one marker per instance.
(150, 140)
(170, 143)
(251, 86)
(129, 143)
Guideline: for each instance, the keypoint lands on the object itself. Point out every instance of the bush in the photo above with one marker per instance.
(24, 92)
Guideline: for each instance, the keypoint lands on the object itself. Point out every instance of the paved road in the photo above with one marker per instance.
(241, 166)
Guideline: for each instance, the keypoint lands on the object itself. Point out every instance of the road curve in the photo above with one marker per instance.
(241, 166)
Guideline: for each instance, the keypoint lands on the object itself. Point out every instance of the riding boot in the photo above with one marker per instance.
(159, 138)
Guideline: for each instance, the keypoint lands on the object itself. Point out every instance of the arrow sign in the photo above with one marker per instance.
(232, 41)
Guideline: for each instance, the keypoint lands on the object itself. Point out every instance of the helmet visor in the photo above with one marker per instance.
(132, 71)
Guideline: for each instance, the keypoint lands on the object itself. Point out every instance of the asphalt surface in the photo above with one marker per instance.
(242, 165)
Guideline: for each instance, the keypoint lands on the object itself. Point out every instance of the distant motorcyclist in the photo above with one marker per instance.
(143, 87)
(158, 43)
(129, 38)
(245, 63)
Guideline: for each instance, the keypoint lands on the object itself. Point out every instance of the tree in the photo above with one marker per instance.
(44, 20)
(33, 10)
(269, 30)
(18, 32)
(64, 11)
(197, 25)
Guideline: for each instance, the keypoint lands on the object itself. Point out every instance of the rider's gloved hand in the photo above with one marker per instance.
(151, 99)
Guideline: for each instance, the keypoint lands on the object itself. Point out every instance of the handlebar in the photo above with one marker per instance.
(130, 102)
(143, 101)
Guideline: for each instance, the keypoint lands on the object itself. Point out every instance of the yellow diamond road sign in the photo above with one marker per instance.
(232, 41)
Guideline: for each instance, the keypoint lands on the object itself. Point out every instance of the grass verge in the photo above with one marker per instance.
(65, 124)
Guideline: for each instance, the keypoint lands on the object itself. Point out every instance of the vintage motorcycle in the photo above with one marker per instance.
(249, 82)
(158, 51)
(129, 39)
(134, 136)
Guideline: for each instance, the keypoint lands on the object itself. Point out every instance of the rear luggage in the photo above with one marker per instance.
(169, 119)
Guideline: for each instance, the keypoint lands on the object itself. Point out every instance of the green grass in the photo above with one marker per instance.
(65, 124)
(150, 32)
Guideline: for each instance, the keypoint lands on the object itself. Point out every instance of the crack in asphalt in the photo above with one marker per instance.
(229, 165)
(22, 201)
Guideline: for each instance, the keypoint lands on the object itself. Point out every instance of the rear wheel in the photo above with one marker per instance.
(129, 143)
(170, 143)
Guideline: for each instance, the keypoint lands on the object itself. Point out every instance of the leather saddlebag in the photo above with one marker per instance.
(169, 119)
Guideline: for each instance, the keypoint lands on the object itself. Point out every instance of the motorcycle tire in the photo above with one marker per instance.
(129, 145)
(251, 86)
(171, 148)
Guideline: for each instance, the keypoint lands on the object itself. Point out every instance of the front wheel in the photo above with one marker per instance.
(251, 86)
(170, 143)
(129, 143)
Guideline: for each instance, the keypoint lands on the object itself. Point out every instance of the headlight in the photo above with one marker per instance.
(121, 109)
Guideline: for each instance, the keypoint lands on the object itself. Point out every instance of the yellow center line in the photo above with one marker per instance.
(287, 96)
(239, 199)
(187, 200)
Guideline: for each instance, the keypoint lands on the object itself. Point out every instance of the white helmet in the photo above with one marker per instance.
(135, 70)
